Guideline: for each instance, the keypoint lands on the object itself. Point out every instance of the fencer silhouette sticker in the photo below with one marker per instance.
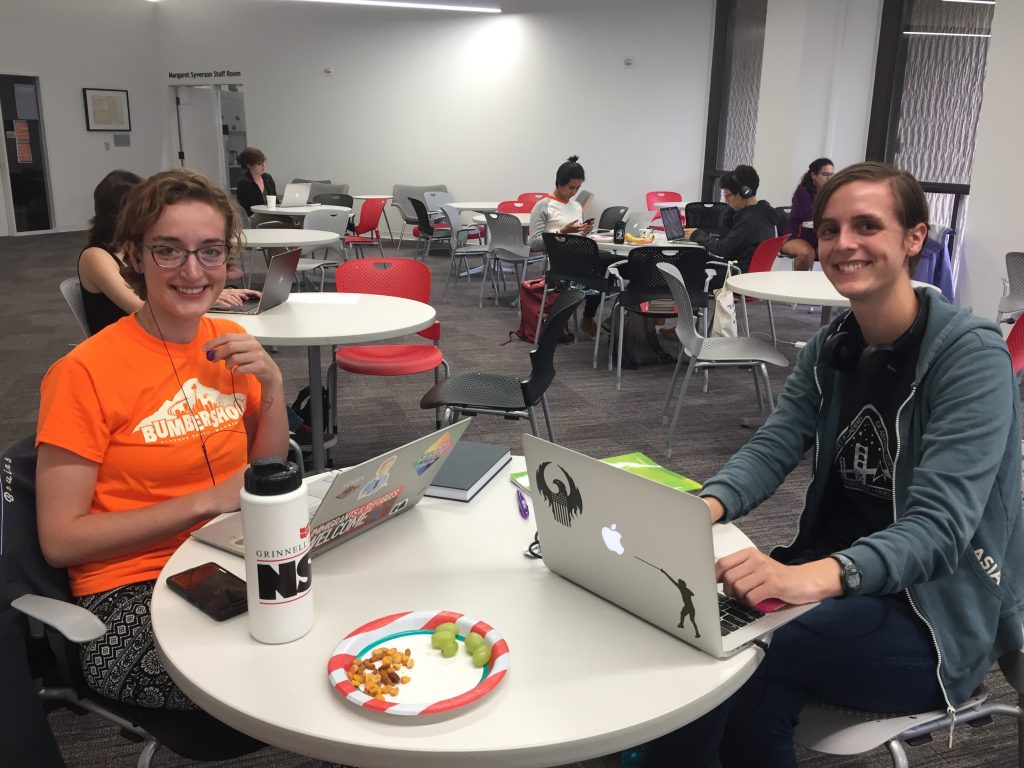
(685, 593)
(565, 500)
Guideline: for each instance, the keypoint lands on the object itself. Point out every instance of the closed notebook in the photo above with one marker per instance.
(468, 469)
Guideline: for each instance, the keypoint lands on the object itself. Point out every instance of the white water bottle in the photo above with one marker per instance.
(278, 574)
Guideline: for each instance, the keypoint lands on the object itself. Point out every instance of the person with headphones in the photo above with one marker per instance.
(750, 222)
(146, 427)
(912, 521)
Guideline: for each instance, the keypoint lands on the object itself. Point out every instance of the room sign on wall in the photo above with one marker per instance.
(212, 74)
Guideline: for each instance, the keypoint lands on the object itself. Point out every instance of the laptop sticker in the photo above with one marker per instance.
(380, 479)
(438, 450)
(350, 488)
(685, 593)
(566, 503)
(356, 518)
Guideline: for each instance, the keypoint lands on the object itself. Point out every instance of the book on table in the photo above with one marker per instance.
(639, 464)
(468, 469)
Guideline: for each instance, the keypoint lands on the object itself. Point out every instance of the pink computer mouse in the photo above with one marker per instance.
(770, 604)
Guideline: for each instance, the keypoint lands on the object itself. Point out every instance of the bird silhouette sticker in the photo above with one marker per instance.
(565, 501)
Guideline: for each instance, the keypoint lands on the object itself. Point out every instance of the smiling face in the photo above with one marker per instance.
(863, 248)
(179, 296)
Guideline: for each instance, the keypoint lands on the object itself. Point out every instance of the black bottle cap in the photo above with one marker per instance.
(271, 476)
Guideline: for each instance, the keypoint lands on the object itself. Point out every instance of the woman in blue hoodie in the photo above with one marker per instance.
(914, 508)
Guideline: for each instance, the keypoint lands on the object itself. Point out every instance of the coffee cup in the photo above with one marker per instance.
(271, 201)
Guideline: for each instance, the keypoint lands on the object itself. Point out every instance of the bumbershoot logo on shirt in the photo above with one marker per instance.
(196, 407)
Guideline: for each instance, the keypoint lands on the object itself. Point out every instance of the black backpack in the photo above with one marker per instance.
(302, 408)
(640, 345)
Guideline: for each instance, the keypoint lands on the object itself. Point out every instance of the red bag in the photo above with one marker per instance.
(530, 293)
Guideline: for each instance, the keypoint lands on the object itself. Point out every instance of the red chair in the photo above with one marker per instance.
(659, 196)
(1015, 343)
(531, 198)
(514, 206)
(369, 222)
(762, 260)
(407, 279)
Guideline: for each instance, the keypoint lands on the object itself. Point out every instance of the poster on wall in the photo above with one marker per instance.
(21, 130)
(106, 110)
(24, 152)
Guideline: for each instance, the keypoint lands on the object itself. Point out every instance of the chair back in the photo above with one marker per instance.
(435, 198)
(766, 253)
(327, 221)
(686, 326)
(573, 257)
(369, 215)
(311, 181)
(271, 224)
(646, 281)
(505, 234)
(542, 359)
(1015, 272)
(706, 216)
(583, 197)
(1015, 343)
(71, 290)
(612, 216)
(661, 196)
(317, 188)
(531, 198)
(457, 233)
(402, 194)
(422, 219)
(334, 198)
(404, 278)
(514, 206)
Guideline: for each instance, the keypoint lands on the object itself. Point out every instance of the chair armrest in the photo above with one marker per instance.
(74, 622)
(613, 270)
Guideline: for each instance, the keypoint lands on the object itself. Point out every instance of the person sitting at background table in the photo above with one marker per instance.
(146, 428)
(105, 294)
(749, 223)
(559, 212)
(804, 243)
(255, 183)
(911, 547)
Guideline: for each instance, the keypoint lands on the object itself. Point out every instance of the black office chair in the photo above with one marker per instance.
(429, 231)
(709, 217)
(53, 624)
(509, 396)
(612, 216)
(333, 198)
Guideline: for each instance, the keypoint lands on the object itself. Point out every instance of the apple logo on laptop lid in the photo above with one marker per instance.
(613, 539)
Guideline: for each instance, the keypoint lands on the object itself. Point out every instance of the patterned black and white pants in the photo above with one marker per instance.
(123, 664)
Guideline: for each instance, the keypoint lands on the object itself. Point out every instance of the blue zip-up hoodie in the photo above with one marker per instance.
(956, 543)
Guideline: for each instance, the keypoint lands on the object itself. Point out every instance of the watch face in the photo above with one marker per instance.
(853, 578)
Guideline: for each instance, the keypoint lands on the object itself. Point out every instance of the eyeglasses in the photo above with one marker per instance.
(826, 174)
(172, 257)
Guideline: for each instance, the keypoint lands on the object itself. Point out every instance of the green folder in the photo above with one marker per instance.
(637, 463)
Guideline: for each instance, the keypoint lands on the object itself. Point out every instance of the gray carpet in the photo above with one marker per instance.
(589, 416)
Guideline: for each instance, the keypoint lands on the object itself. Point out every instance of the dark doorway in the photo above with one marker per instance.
(26, 162)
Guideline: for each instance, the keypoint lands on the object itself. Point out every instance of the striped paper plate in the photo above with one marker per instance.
(437, 684)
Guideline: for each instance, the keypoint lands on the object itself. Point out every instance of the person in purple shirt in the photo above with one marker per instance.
(803, 246)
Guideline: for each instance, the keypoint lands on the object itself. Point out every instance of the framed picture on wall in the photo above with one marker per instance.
(106, 110)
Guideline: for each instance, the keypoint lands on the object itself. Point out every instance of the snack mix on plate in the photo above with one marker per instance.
(379, 674)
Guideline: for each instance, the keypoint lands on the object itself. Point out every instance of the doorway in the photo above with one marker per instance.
(210, 126)
(24, 177)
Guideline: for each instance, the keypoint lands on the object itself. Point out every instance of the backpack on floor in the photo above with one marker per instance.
(640, 345)
(302, 407)
(530, 293)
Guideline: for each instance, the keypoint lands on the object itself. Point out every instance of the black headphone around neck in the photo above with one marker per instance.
(844, 349)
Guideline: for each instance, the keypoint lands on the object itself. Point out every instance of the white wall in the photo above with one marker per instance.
(74, 45)
(816, 83)
(489, 105)
(992, 225)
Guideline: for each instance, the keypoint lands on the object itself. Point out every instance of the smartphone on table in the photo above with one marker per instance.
(213, 590)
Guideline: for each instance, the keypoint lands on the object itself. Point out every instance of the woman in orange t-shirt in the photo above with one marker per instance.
(145, 428)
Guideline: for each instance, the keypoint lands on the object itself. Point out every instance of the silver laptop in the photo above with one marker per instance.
(346, 503)
(295, 195)
(641, 545)
(276, 288)
(673, 224)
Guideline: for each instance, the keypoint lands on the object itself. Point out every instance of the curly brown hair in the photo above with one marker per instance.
(251, 156)
(146, 204)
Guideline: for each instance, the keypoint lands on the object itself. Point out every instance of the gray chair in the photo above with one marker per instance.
(506, 245)
(834, 731)
(326, 188)
(461, 251)
(1012, 302)
(71, 290)
(714, 352)
(326, 221)
(311, 181)
(612, 216)
(400, 196)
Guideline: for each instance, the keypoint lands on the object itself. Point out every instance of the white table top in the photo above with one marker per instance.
(523, 217)
(372, 197)
(476, 206)
(566, 697)
(794, 287)
(670, 204)
(299, 211)
(605, 244)
(313, 319)
(288, 238)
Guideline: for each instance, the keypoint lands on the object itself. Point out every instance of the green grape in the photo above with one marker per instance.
(441, 638)
(447, 627)
(449, 648)
(481, 656)
(473, 641)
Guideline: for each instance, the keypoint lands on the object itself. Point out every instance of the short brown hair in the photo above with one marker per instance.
(146, 204)
(251, 156)
(908, 200)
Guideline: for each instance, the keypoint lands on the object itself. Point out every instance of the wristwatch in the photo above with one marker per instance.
(849, 575)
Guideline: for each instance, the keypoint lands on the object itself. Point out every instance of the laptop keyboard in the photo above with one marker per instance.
(249, 305)
(733, 614)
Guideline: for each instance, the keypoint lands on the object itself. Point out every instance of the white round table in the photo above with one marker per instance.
(607, 245)
(585, 677)
(669, 204)
(314, 320)
(299, 211)
(288, 238)
(793, 287)
(475, 206)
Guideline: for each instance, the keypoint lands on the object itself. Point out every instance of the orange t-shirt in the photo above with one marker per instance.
(117, 400)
